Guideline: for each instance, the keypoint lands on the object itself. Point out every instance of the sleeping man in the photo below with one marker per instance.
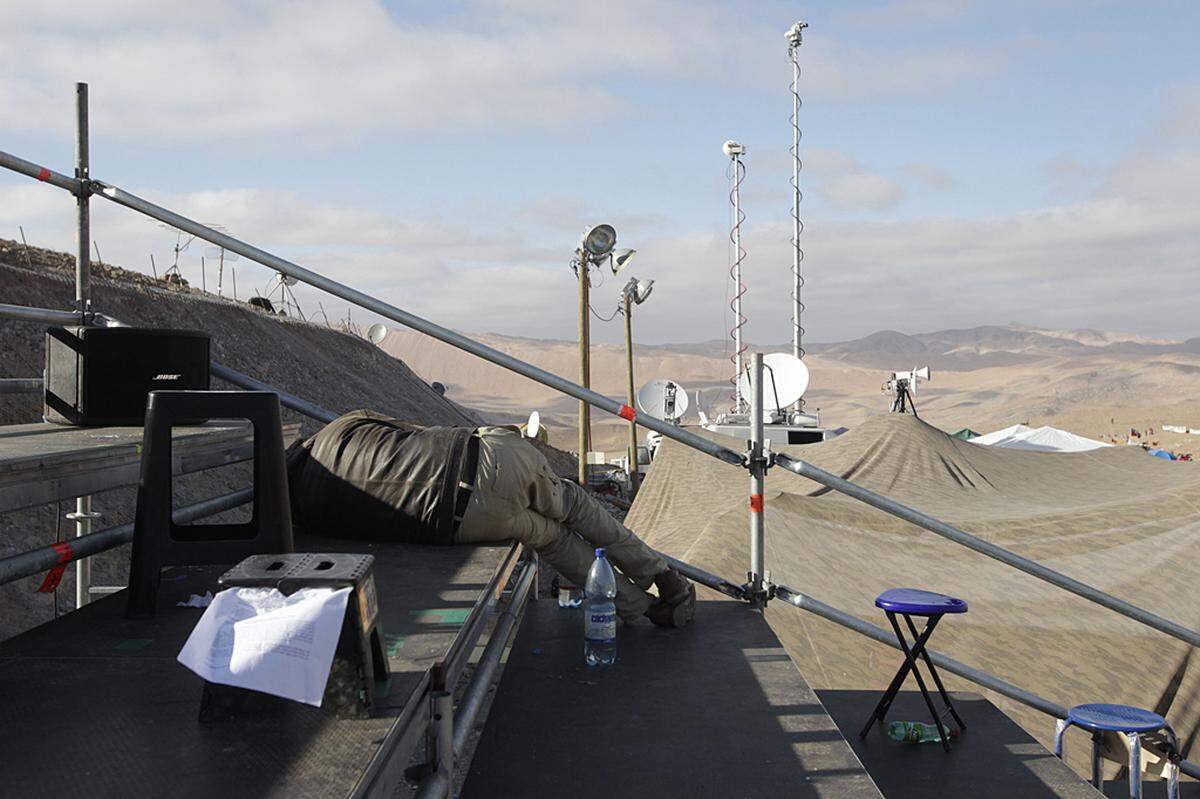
(365, 474)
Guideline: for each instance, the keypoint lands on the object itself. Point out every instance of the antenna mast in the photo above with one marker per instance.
(737, 173)
(795, 37)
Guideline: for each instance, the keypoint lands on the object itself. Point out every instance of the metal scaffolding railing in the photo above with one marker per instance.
(755, 590)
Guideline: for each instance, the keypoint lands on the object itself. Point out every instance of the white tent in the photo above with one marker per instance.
(1038, 439)
(1000, 435)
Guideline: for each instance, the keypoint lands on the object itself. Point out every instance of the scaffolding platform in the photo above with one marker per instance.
(993, 759)
(94, 704)
(41, 463)
(715, 709)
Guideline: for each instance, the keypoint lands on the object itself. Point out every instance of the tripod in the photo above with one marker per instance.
(903, 401)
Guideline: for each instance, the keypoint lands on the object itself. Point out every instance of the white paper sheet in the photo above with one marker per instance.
(259, 639)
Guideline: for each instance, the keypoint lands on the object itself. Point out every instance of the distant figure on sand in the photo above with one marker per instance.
(368, 476)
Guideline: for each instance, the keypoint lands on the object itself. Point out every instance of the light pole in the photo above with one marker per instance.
(595, 246)
(635, 293)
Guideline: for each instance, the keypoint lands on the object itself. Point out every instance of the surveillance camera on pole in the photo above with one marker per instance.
(902, 386)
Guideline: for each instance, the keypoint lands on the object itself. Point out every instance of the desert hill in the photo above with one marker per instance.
(1095, 383)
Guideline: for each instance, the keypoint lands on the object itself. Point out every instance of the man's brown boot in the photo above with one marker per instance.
(676, 606)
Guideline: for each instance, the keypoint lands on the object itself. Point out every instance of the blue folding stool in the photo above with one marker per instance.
(1132, 722)
(909, 602)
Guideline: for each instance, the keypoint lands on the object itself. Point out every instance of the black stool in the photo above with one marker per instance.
(909, 602)
(157, 540)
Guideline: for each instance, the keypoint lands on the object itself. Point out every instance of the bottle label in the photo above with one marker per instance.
(601, 622)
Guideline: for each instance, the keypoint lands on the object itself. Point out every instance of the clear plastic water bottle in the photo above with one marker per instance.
(569, 594)
(600, 614)
(916, 732)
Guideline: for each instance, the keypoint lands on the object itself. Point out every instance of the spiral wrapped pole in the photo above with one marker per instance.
(795, 37)
(737, 173)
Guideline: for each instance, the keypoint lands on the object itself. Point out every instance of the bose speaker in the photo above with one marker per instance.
(101, 375)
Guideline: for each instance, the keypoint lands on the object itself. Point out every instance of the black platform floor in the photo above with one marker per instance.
(994, 758)
(95, 704)
(717, 709)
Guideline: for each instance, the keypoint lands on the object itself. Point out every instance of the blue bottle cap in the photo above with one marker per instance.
(599, 552)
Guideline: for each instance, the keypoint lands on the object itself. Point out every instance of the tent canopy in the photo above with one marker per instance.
(1114, 518)
(1038, 439)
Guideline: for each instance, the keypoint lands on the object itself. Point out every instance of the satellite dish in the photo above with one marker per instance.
(663, 399)
(784, 376)
(286, 280)
(535, 429)
(377, 332)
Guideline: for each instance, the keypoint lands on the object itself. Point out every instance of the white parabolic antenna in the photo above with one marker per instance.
(533, 425)
(377, 332)
(784, 375)
(663, 399)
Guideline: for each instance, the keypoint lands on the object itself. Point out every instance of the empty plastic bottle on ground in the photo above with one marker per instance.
(600, 613)
(916, 732)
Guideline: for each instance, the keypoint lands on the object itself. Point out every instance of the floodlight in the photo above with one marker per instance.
(598, 240)
(637, 290)
(732, 148)
(620, 259)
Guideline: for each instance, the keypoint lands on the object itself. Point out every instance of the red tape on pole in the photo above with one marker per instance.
(627, 412)
(44, 174)
(66, 553)
(756, 503)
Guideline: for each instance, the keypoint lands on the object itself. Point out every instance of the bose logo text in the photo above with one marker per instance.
(167, 377)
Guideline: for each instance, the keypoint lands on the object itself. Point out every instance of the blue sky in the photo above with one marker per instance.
(965, 163)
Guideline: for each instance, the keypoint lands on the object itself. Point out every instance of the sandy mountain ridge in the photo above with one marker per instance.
(1095, 383)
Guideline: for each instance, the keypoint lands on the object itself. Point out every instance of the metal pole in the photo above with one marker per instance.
(634, 476)
(738, 319)
(795, 38)
(287, 400)
(38, 172)
(489, 661)
(986, 548)
(584, 367)
(698, 575)
(83, 517)
(35, 561)
(21, 385)
(23, 313)
(83, 287)
(758, 471)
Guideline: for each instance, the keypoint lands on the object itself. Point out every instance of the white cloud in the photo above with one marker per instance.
(847, 183)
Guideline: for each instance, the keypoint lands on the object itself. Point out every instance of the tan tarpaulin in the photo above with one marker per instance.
(1114, 518)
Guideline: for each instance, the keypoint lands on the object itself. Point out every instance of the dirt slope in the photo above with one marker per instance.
(335, 370)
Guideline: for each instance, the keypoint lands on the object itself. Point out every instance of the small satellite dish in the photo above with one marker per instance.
(377, 332)
(784, 376)
(663, 399)
(286, 280)
(535, 429)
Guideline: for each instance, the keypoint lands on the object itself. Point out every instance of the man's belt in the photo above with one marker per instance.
(466, 483)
